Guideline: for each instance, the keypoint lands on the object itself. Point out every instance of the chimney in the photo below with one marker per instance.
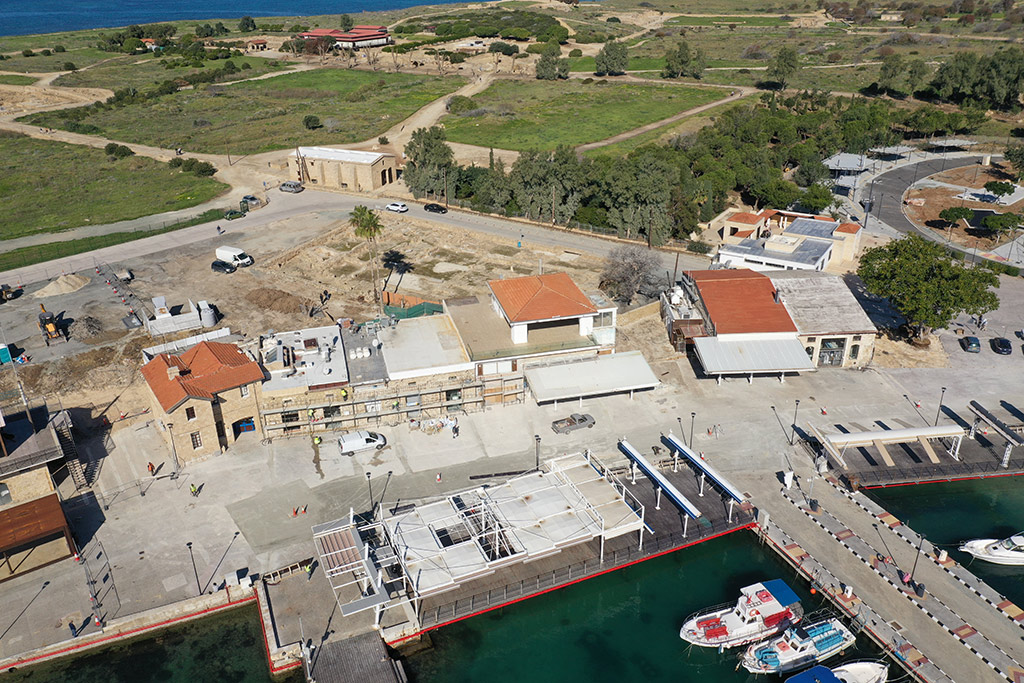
(775, 295)
(172, 372)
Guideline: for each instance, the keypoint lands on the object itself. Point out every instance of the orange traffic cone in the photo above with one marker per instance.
(438, 477)
(824, 411)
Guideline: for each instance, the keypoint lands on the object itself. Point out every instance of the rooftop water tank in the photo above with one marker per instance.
(207, 316)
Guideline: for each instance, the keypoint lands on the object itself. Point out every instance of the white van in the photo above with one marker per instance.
(353, 442)
(234, 256)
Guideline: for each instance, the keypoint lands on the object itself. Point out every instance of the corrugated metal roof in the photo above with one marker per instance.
(751, 356)
(812, 227)
(844, 161)
(601, 375)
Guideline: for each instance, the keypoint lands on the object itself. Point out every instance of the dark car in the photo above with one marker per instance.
(222, 267)
(1002, 346)
(435, 208)
(971, 344)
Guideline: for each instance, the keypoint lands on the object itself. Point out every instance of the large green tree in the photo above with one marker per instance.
(637, 191)
(368, 227)
(891, 73)
(550, 68)
(1015, 155)
(429, 162)
(817, 198)
(925, 284)
(612, 60)
(783, 66)
(954, 214)
(999, 188)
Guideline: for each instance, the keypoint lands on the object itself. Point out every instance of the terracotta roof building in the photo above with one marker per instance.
(540, 297)
(741, 302)
(207, 388)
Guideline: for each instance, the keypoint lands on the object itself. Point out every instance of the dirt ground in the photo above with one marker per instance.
(938, 198)
(16, 100)
(976, 176)
(897, 353)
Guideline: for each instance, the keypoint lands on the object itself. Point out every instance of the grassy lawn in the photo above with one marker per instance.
(749, 20)
(665, 133)
(845, 79)
(541, 115)
(587, 65)
(52, 186)
(142, 71)
(55, 61)
(27, 256)
(265, 115)
(12, 79)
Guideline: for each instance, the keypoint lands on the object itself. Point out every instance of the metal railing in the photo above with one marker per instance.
(12, 465)
(464, 607)
(949, 470)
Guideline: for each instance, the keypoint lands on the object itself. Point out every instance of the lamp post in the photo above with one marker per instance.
(796, 410)
(939, 410)
(886, 545)
(370, 487)
(174, 452)
(679, 419)
(194, 571)
(918, 588)
(693, 416)
(536, 451)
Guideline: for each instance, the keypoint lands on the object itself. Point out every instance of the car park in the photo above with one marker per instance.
(292, 186)
(397, 207)
(435, 208)
(970, 344)
(222, 267)
(353, 442)
(1002, 346)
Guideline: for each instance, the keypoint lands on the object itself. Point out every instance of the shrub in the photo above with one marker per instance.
(204, 169)
(311, 122)
(383, 139)
(575, 52)
(83, 128)
(613, 20)
(458, 104)
(110, 148)
(175, 162)
(698, 247)
(70, 66)
(28, 53)
(456, 57)
(45, 53)
(59, 48)
(189, 165)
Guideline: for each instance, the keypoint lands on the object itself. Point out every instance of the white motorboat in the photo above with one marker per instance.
(799, 646)
(763, 610)
(851, 672)
(1007, 551)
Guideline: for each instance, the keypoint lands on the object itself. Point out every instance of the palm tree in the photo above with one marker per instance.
(368, 227)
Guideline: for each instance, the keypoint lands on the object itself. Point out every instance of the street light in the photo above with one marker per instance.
(796, 409)
(174, 452)
(692, 418)
(679, 419)
(918, 588)
(370, 487)
(536, 451)
(194, 571)
(939, 410)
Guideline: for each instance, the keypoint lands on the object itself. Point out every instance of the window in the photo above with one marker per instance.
(811, 340)
(5, 494)
(856, 337)
(245, 390)
(290, 417)
(197, 440)
(854, 350)
(190, 413)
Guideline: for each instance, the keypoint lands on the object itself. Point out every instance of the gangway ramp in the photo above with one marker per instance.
(835, 445)
(681, 501)
(672, 442)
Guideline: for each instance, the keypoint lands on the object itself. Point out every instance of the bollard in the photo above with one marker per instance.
(943, 556)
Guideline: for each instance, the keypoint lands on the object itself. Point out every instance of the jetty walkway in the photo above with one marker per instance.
(960, 630)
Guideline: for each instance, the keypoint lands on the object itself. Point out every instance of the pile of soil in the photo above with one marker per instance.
(275, 300)
(65, 284)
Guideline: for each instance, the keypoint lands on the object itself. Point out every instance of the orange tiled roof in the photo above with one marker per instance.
(851, 228)
(743, 233)
(741, 302)
(540, 297)
(744, 217)
(203, 371)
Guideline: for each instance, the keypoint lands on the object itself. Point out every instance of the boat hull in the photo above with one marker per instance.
(981, 549)
(862, 672)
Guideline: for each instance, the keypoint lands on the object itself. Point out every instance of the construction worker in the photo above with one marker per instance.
(344, 394)
(310, 414)
(317, 440)
(309, 571)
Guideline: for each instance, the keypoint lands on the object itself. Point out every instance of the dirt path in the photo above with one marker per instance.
(738, 94)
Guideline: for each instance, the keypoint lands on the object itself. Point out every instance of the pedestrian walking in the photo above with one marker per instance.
(309, 571)
(455, 431)
(74, 631)
(151, 468)
(194, 490)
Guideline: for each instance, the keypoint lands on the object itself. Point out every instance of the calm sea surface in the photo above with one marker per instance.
(18, 17)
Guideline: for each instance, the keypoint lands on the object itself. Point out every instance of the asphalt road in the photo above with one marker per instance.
(888, 188)
(284, 206)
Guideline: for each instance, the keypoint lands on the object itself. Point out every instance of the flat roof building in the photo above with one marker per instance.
(342, 169)
(786, 240)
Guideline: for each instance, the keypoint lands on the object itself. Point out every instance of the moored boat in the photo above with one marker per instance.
(799, 646)
(763, 610)
(1006, 551)
(851, 672)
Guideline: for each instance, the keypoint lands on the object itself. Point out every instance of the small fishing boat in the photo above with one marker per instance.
(1007, 551)
(851, 672)
(798, 646)
(763, 610)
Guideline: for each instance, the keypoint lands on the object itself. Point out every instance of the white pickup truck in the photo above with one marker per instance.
(572, 423)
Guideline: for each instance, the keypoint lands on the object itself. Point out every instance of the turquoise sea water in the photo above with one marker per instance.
(224, 648)
(952, 512)
(623, 626)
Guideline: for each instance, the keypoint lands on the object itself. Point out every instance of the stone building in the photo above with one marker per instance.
(342, 169)
(206, 397)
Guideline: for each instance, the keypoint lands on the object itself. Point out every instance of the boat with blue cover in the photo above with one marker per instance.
(799, 646)
(763, 610)
(851, 672)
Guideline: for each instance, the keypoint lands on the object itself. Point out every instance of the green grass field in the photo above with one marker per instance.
(586, 64)
(55, 61)
(52, 186)
(12, 79)
(542, 115)
(139, 72)
(749, 20)
(260, 116)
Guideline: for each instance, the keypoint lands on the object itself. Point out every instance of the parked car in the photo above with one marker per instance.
(353, 442)
(572, 423)
(232, 214)
(971, 344)
(435, 208)
(292, 186)
(1002, 346)
(222, 267)
(397, 207)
